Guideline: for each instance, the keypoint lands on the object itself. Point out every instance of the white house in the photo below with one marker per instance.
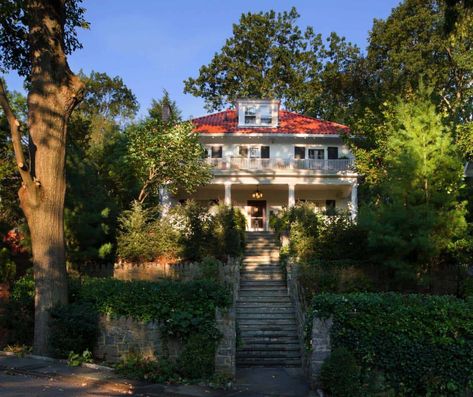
(264, 158)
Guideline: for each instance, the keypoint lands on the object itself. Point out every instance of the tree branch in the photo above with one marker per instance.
(16, 138)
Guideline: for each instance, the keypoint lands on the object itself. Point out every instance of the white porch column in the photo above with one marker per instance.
(164, 199)
(228, 194)
(354, 200)
(291, 195)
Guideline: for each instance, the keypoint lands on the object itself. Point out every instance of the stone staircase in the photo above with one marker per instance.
(265, 315)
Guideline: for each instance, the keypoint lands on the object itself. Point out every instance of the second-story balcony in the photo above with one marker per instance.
(282, 164)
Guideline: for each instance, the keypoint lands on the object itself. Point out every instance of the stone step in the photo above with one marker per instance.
(267, 321)
(263, 287)
(245, 277)
(268, 362)
(269, 347)
(256, 270)
(243, 311)
(247, 333)
(261, 355)
(261, 339)
(263, 283)
(263, 299)
(264, 306)
(257, 248)
(262, 267)
(260, 258)
(260, 329)
(252, 293)
(266, 316)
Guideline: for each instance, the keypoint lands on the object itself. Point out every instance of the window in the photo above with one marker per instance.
(316, 154)
(332, 153)
(299, 152)
(216, 152)
(266, 116)
(250, 114)
(265, 152)
(243, 151)
(257, 113)
(255, 152)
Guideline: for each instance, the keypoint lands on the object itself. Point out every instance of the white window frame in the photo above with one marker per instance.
(273, 107)
(317, 148)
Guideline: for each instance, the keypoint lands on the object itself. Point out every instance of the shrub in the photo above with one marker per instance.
(18, 316)
(136, 367)
(340, 374)
(7, 266)
(133, 240)
(144, 236)
(197, 360)
(210, 269)
(422, 345)
(228, 232)
(74, 328)
(196, 237)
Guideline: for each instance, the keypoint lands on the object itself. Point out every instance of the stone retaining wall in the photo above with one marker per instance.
(312, 359)
(321, 348)
(119, 337)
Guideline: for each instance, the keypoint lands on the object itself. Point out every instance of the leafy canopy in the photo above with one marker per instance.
(270, 56)
(15, 38)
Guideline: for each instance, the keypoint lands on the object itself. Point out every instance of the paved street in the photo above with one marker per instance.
(27, 376)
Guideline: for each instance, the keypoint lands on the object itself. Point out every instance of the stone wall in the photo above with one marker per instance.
(119, 337)
(296, 294)
(321, 349)
(225, 355)
(312, 359)
(149, 271)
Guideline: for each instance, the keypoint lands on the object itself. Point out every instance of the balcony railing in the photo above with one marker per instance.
(238, 163)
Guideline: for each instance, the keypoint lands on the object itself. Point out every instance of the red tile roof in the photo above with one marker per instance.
(289, 123)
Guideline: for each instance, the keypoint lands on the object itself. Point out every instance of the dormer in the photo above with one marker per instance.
(257, 113)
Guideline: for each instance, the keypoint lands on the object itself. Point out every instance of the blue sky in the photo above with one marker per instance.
(156, 44)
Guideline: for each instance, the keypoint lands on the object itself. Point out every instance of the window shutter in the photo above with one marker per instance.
(265, 152)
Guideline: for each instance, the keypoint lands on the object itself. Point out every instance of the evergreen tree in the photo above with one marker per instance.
(418, 215)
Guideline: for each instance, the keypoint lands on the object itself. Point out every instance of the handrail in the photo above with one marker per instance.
(236, 163)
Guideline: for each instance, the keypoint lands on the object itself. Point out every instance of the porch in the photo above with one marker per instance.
(259, 201)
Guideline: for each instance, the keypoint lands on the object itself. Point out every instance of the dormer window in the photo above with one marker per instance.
(250, 114)
(266, 116)
(258, 113)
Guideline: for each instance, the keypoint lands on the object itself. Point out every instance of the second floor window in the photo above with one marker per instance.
(216, 152)
(299, 152)
(254, 152)
(332, 153)
(316, 154)
(250, 115)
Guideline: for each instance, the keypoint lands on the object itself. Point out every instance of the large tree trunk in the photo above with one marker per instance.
(53, 93)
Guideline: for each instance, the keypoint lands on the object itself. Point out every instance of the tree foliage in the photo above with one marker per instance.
(418, 214)
(270, 56)
(170, 157)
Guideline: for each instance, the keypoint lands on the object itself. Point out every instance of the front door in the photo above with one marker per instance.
(257, 214)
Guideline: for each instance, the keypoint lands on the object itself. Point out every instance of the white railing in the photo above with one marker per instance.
(238, 163)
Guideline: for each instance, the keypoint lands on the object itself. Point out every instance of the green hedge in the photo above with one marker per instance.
(184, 310)
(419, 345)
